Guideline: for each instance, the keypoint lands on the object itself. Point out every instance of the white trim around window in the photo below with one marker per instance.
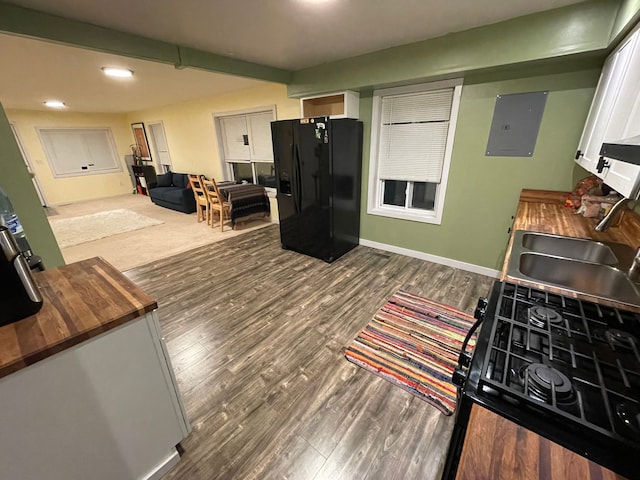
(375, 205)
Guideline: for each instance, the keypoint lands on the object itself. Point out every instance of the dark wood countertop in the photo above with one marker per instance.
(519, 452)
(544, 211)
(504, 450)
(81, 300)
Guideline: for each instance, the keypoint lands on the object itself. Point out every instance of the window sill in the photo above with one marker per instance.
(403, 214)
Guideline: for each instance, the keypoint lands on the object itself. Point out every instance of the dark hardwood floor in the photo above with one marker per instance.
(256, 336)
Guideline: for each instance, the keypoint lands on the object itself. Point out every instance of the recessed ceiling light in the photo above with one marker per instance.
(117, 72)
(54, 104)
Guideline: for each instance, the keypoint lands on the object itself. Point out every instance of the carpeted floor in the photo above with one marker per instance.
(86, 228)
(178, 233)
(414, 343)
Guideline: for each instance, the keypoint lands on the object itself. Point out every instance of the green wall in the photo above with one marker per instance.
(17, 184)
(482, 191)
(627, 16)
(559, 50)
(577, 31)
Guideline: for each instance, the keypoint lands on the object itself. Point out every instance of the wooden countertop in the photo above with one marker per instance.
(504, 450)
(515, 452)
(544, 211)
(81, 300)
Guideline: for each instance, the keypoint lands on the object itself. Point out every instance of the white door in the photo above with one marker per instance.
(160, 147)
(235, 138)
(36, 185)
(260, 144)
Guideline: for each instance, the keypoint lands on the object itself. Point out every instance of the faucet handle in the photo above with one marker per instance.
(634, 270)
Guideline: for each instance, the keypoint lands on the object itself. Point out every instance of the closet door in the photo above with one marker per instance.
(159, 142)
(235, 138)
(260, 144)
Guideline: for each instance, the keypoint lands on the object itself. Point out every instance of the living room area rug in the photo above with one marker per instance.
(414, 343)
(86, 228)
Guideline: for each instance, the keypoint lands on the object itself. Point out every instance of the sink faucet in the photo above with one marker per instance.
(634, 271)
(604, 223)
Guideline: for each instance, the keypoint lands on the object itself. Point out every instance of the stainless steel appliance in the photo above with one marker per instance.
(564, 368)
(19, 295)
(318, 169)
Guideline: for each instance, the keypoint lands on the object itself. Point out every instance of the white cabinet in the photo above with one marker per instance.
(106, 409)
(335, 105)
(247, 137)
(614, 116)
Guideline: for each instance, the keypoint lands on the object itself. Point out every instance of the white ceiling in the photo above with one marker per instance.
(289, 34)
(34, 71)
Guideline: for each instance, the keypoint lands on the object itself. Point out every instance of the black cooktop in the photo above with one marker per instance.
(565, 368)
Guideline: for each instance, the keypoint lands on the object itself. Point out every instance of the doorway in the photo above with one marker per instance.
(160, 147)
(26, 161)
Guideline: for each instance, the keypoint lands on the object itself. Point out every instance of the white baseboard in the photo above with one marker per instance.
(449, 262)
(163, 467)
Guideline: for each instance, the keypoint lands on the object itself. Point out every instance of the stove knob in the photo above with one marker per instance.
(459, 377)
(464, 360)
(481, 308)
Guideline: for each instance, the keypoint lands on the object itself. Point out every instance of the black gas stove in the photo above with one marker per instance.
(564, 368)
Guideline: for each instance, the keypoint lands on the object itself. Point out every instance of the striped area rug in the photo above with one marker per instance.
(414, 343)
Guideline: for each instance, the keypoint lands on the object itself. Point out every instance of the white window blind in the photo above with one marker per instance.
(413, 135)
(79, 151)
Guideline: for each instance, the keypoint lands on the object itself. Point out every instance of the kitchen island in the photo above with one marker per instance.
(86, 385)
(516, 452)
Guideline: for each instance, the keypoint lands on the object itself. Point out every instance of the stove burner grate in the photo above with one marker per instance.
(543, 380)
(540, 316)
(619, 338)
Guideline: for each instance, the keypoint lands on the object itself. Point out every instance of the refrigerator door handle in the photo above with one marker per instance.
(298, 180)
(294, 179)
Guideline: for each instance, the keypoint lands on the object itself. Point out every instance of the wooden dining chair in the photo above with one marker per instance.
(217, 202)
(202, 200)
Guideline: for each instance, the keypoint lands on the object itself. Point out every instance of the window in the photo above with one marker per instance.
(247, 148)
(411, 141)
(79, 151)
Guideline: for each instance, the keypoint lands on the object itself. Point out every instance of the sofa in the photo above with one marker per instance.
(172, 190)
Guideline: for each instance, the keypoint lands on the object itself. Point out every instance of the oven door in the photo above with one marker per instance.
(466, 376)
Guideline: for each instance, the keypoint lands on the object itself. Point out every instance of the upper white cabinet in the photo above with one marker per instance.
(247, 137)
(335, 105)
(614, 116)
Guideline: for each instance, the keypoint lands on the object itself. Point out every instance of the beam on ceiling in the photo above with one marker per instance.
(53, 28)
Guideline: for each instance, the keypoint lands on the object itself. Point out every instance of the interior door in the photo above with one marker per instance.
(161, 149)
(36, 185)
(260, 143)
(235, 138)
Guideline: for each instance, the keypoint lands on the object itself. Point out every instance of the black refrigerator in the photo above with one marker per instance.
(318, 169)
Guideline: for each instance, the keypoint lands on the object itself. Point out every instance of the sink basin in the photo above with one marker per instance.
(599, 280)
(568, 247)
(586, 267)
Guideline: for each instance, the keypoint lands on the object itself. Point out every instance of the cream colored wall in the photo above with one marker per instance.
(189, 126)
(190, 129)
(73, 189)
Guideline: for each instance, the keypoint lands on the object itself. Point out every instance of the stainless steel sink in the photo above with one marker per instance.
(595, 279)
(569, 247)
(587, 267)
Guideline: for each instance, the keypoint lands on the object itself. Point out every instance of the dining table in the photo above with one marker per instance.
(245, 200)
